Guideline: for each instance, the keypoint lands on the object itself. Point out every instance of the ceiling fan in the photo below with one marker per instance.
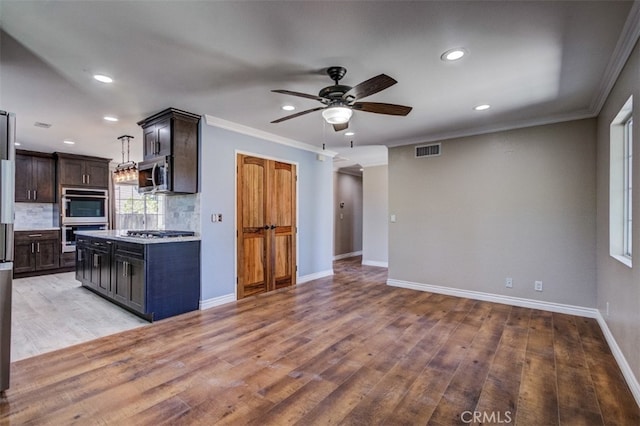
(340, 100)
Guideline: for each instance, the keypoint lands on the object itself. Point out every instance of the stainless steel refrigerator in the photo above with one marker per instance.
(7, 188)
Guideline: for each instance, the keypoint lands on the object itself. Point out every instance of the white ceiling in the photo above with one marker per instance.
(534, 62)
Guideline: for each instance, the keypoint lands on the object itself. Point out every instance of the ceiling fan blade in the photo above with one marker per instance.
(341, 127)
(381, 108)
(369, 87)
(297, 114)
(301, 95)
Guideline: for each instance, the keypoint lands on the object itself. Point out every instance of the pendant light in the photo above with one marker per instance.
(126, 172)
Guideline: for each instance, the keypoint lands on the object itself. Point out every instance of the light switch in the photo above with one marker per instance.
(393, 218)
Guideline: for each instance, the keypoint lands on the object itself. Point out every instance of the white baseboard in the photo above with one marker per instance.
(346, 255)
(375, 263)
(498, 298)
(216, 301)
(631, 379)
(306, 278)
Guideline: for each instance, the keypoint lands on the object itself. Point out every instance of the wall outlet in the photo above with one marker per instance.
(216, 217)
(508, 282)
(538, 286)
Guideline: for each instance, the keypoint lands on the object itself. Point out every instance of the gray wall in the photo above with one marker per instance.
(348, 219)
(218, 173)
(375, 247)
(618, 284)
(517, 204)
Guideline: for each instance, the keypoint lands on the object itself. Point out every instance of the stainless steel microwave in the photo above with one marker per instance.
(81, 206)
(155, 175)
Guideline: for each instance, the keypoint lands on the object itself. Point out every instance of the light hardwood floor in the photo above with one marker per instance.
(346, 349)
(53, 311)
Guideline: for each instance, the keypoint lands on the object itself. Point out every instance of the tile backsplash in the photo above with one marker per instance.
(182, 212)
(34, 216)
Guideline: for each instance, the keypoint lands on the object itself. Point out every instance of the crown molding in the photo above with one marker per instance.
(250, 131)
(627, 41)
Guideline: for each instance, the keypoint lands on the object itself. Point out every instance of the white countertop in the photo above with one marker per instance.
(121, 235)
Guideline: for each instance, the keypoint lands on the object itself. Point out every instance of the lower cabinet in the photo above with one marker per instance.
(36, 251)
(152, 280)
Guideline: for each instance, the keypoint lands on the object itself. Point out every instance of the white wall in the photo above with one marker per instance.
(618, 284)
(517, 204)
(375, 247)
(218, 175)
(347, 218)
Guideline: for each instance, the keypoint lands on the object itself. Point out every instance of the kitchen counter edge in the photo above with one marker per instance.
(120, 235)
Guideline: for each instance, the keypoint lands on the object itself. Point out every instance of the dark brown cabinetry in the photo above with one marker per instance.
(36, 251)
(82, 171)
(173, 136)
(35, 177)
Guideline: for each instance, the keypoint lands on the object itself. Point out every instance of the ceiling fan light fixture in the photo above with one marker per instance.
(337, 114)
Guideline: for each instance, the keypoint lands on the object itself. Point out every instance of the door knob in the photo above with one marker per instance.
(273, 227)
(265, 227)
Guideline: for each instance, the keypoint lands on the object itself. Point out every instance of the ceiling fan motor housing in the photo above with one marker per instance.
(334, 92)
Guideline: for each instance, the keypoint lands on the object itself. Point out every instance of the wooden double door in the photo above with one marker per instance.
(266, 210)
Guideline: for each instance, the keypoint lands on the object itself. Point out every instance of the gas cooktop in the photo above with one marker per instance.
(161, 233)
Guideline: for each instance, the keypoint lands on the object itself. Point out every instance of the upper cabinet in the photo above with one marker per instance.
(172, 135)
(35, 177)
(82, 171)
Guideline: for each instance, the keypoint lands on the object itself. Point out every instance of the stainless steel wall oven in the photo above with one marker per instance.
(84, 206)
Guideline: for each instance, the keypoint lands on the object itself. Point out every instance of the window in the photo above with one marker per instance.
(628, 161)
(620, 185)
(138, 211)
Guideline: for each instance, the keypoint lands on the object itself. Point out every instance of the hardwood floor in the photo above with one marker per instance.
(345, 349)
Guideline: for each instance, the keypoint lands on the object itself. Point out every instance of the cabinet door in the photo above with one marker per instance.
(24, 259)
(101, 271)
(129, 287)
(97, 174)
(149, 141)
(83, 265)
(43, 180)
(163, 131)
(137, 289)
(24, 173)
(47, 254)
(120, 280)
(72, 172)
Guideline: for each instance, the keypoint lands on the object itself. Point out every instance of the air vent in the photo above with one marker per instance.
(43, 125)
(432, 150)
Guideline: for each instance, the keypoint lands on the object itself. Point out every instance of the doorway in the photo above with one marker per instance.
(266, 225)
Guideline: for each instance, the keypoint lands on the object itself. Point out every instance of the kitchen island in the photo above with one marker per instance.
(154, 278)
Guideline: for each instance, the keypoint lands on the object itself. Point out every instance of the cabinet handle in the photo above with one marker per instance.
(35, 194)
(125, 267)
(38, 247)
(157, 147)
(28, 194)
(35, 235)
(88, 179)
(33, 248)
(96, 260)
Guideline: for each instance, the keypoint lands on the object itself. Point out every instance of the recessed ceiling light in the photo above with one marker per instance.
(349, 134)
(453, 54)
(69, 142)
(110, 118)
(103, 78)
(288, 107)
(17, 143)
(482, 107)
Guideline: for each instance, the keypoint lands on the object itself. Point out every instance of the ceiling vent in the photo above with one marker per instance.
(432, 150)
(43, 125)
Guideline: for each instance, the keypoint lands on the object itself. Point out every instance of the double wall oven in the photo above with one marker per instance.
(82, 210)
